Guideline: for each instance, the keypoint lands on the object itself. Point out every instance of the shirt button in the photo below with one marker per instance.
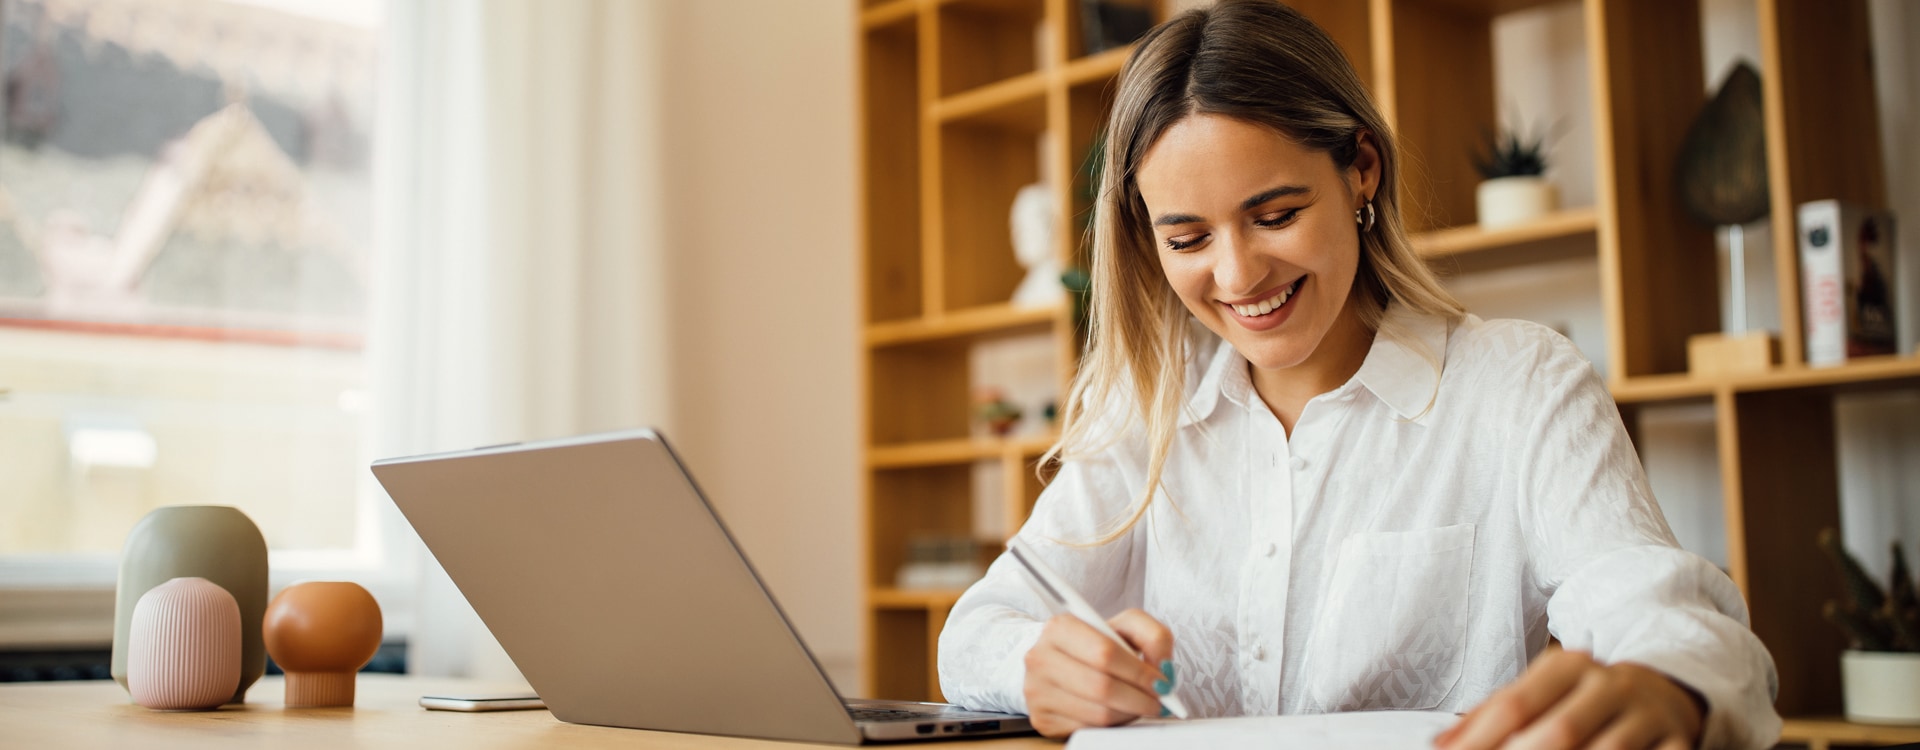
(1299, 463)
(1260, 653)
(1269, 549)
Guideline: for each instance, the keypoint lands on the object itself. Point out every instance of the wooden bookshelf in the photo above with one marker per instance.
(962, 100)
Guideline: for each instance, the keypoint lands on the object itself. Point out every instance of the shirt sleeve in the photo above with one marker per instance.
(984, 645)
(1617, 583)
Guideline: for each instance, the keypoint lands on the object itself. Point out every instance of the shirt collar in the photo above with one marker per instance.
(1403, 367)
(1400, 368)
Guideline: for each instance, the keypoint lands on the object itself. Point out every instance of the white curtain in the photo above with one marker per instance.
(521, 290)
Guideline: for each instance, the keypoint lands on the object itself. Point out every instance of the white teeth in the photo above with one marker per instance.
(1262, 308)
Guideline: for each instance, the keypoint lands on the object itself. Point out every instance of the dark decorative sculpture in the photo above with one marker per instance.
(1722, 172)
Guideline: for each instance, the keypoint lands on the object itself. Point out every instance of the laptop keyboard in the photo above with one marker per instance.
(886, 714)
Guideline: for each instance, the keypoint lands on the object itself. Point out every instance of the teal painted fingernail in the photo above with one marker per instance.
(1165, 712)
(1162, 687)
(1166, 668)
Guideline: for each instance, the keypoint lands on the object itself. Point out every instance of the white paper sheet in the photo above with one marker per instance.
(1365, 730)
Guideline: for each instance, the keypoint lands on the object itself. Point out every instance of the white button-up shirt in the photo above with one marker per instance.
(1411, 546)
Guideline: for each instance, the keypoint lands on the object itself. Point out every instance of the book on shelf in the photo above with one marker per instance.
(1847, 278)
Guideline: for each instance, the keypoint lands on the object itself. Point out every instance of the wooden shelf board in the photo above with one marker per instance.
(1440, 243)
(1096, 67)
(1488, 8)
(958, 451)
(1655, 388)
(978, 321)
(1020, 8)
(888, 13)
(1863, 371)
(1811, 729)
(892, 598)
(1018, 103)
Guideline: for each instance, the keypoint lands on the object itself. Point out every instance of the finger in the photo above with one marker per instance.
(1517, 704)
(1092, 685)
(1674, 743)
(1599, 696)
(1086, 645)
(1152, 639)
(1081, 711)
(1629, 730)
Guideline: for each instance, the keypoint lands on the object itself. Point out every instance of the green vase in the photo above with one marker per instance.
(215, 542)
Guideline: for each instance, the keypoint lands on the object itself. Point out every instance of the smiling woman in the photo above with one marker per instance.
(1273, 274)
(1308, 480)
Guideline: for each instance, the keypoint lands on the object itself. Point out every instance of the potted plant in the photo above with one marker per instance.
(1514, 189)
(1880, 674)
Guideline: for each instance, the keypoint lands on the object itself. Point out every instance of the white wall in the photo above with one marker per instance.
(762, 247)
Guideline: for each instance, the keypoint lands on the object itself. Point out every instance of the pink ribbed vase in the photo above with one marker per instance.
(183, 646)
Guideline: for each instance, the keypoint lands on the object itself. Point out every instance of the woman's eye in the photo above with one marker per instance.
(1277, 219)
(1177, 244)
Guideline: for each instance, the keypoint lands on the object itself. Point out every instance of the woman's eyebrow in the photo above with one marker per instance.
(1279, 192)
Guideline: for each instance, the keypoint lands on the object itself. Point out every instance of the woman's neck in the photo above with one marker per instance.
(1286, 391)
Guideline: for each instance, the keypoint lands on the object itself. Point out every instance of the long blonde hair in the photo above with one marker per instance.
(1258, 61)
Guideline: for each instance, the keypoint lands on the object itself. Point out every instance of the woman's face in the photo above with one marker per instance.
(1256, 233)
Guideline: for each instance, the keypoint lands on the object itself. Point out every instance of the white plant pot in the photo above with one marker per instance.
(1504, 201)
(1881, 687)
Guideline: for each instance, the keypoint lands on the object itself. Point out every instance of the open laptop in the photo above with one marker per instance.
(612, 583)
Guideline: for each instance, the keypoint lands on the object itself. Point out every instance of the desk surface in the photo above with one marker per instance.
(385, 715)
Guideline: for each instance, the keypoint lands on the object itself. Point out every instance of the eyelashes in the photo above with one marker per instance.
(1286, 217)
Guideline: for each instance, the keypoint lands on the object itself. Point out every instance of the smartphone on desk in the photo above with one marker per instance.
(482, 702)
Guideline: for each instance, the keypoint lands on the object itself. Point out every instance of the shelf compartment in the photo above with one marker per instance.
(914, 502)
(891, 178)
(1823, 126)
(1440, 102)
(901, 648)
(1658, 265)
(953, 452)
(1563, 224)
(918, 393)
(1074, 33)
(986, 41)
(1018, 104)
(982, 168)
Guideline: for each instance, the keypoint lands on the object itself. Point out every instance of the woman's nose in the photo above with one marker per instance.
(1238, 271)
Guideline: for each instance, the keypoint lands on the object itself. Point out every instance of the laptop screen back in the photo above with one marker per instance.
(615, 588)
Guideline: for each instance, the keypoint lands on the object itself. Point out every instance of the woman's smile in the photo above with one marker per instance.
(1267, 311)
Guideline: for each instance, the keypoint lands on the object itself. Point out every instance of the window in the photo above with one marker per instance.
(186, 203)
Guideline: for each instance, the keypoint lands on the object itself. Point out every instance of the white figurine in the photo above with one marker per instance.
(1032, 220)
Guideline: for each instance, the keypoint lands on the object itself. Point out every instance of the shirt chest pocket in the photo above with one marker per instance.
(1392, 629)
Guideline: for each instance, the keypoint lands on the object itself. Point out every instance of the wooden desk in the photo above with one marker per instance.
(386, 715)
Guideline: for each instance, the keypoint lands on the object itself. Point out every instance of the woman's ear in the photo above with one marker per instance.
(1366, 167)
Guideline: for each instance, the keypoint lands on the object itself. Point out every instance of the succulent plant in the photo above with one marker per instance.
(1875, 619)
(1508, 154)
(1000, 414)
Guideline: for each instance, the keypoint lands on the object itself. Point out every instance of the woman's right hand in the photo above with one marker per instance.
(1077, 678)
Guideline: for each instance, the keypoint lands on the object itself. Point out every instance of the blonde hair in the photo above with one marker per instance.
(1254, 60)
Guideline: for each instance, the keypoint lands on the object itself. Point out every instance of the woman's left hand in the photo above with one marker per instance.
(1568, 700)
